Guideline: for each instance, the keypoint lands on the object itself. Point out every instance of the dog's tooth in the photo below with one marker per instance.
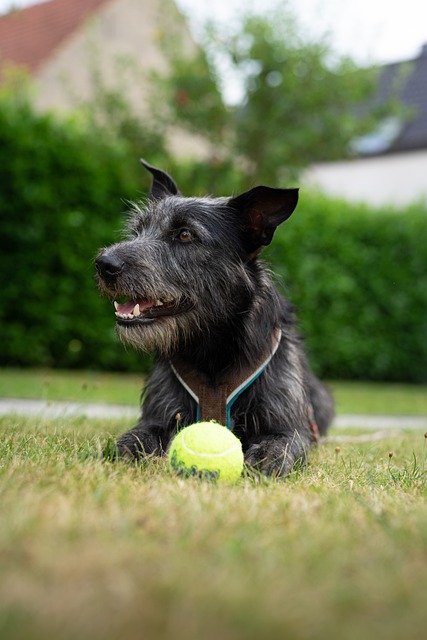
(159, 303)
(116, 305)
(136, 312)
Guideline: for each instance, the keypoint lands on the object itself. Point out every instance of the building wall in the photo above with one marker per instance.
(398, 179)
(123, 32)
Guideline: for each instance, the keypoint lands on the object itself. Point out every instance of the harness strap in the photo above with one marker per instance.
(315, 434)
(215, 402)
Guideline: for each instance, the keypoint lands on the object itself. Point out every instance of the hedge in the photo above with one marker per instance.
(358, 277)
(61, 198)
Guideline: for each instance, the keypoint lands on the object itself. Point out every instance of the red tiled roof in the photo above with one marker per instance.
(30, 36)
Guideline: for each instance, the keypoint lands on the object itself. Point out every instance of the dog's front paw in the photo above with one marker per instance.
(273, 457)
(134, 445)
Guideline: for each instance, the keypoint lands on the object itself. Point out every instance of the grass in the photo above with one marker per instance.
(376, 398)
(76, 386)
(109, 551)
(89, 386)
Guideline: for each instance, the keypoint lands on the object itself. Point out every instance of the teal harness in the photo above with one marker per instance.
(215, 403)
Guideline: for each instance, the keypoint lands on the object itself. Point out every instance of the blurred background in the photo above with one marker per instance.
(327, 96)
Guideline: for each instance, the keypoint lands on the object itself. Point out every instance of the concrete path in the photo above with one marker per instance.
(56, 409)
(114, 411)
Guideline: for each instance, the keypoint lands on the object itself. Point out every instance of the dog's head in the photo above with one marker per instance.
(257, 212)
(188, 264)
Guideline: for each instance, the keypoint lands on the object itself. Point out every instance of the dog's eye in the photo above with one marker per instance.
(185, 235)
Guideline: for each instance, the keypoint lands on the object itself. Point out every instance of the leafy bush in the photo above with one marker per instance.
(61, 199)
(359, 280)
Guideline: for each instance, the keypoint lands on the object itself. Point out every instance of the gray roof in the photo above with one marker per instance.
(408, 81)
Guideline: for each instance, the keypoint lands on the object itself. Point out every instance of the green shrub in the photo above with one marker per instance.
(61, 199)
(359, 280)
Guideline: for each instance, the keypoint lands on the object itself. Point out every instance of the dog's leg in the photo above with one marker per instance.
(166, 408)
(141, 441)
(277, 455)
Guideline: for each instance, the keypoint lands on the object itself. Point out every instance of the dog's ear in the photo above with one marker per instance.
(163, 185)
(261, 210)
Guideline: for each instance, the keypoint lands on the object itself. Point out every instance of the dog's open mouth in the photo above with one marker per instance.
(146, 311)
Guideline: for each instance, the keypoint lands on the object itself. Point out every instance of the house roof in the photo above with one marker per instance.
(407, 81)
(29, 36)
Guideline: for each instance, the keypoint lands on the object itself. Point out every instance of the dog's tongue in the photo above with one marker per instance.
(126, 307)
(129, 305)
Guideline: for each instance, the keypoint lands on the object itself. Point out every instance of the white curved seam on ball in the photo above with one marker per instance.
(209, 455)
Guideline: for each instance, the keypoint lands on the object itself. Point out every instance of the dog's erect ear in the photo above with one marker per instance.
(261, 211)
(163, 185)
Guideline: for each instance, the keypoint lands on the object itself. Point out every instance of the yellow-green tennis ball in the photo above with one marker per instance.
(207, 450)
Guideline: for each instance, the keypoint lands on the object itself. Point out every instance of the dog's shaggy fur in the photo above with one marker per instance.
(196, 291)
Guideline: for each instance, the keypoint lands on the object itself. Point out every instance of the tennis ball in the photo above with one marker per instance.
(207, 450)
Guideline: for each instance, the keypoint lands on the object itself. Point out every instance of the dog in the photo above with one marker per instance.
(227, 347)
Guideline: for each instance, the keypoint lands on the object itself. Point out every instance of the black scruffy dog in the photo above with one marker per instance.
(226, 342)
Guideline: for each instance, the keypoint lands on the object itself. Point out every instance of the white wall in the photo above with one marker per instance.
(397, 179)
(130, 29)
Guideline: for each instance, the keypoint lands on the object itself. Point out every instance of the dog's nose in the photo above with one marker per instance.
(109, 267)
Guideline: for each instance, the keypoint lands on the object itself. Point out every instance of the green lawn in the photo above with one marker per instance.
(82, 386)
(378, 398)
(78, 386)
(107, 551)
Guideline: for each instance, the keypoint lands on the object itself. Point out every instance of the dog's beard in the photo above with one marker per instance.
(165, 336)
